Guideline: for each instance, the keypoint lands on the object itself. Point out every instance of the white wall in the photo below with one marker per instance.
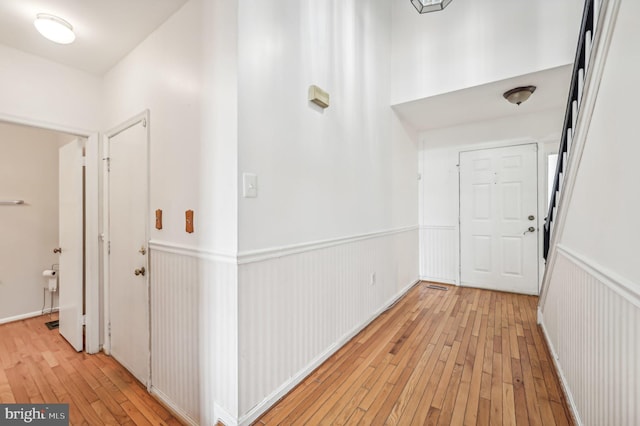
(29, 172)
(439, 186)
(48, 94)
(476, 42)
(591, 307)
(322, 174)
(605, 230)
(184, 73)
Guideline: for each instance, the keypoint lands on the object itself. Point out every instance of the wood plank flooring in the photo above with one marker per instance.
(38, 366)
(458, 357)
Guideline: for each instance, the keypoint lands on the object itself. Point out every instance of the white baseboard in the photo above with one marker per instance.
(563, 379)
(27, 315)
(286, 387)
(175, 410)
(439, 280)
(223, 417)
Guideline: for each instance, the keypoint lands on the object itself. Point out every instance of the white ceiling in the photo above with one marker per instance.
(106, 30)
(485, 102)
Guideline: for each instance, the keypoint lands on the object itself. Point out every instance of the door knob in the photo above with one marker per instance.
(530, 229)
(143, 250)
(140, 271)
(57, 250)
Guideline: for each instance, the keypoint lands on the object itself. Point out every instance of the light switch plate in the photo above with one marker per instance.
(249, 185)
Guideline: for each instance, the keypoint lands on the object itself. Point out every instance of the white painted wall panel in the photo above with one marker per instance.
(592, 322)
(439, 253)
(297, 309)
(322, 174)
(193, 328)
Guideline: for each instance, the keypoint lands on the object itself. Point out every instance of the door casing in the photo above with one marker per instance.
(534, 210)
(142, 117)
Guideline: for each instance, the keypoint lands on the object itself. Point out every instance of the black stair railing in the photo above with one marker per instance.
(571, 115)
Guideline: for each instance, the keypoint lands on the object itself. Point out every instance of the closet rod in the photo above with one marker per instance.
(12, 202)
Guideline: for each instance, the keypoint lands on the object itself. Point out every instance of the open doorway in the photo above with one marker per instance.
(29, 220)
(30, 175)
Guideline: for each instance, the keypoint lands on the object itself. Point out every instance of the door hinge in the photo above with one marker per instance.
(108, 160)
(109, 330)
(84, 320)
(109, 247)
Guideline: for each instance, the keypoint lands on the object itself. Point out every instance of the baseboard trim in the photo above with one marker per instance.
(286, 387)
(27, 315)
(173, 408)
(439, 280)
(222, 416)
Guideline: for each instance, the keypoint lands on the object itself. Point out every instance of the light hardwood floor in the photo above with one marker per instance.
(38, 366)
(458, 357)
(464, 356)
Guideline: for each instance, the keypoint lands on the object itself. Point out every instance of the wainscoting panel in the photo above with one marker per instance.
(297, 309)
(592, 323)
(439, 253)
(189, 318)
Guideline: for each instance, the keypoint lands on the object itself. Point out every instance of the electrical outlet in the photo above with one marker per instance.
(373, 278)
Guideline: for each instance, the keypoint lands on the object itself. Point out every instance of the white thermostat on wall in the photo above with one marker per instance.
(318, 96)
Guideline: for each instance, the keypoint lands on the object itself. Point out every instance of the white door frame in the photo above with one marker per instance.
(93, 220)
(141, 117)
(541, 212)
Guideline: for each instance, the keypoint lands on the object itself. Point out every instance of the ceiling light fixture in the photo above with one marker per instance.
(55, 29)
(519, 94)
(424, 6)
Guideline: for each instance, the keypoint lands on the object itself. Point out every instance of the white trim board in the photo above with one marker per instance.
(624, 287)
(25, 121)
(192, 251)
(175, 410)
(252, 256)
(260, 255)
(28, 315)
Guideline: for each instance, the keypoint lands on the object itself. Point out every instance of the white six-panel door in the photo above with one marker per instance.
(128, 290)
(498, 219)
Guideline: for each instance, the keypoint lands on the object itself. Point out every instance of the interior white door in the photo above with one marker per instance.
(70, 195)
(498, 219)
(128, 267)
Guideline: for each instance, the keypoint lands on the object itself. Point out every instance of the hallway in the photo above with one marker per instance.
(462, 356)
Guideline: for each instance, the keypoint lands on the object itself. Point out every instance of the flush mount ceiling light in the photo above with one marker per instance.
(424, 6)
(55, 29)
(519, 94)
